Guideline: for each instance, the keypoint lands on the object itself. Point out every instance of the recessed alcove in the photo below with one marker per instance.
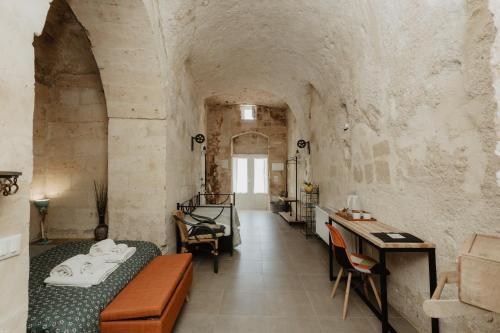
(70, 127)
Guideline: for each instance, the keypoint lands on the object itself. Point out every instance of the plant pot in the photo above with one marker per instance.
(101, 231)
(309, 189)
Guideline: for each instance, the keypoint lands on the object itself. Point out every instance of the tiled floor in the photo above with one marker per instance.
(277, 281)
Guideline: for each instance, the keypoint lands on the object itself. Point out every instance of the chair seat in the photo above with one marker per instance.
(365, 264)
(206, 236)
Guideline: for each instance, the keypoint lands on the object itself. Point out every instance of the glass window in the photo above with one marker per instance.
(240, 175)
(260, 177)
(247, 112)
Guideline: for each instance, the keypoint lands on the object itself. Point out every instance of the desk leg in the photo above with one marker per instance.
(330, 257)
(433, 284)
(383, 292)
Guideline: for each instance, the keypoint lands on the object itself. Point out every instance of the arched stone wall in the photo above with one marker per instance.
(131, 54)
(251, 142)
(127, 51)
(70, 127)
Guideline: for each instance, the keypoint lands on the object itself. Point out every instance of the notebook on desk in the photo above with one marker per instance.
(397, 237)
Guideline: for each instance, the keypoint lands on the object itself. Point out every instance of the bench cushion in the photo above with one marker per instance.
(149, 292)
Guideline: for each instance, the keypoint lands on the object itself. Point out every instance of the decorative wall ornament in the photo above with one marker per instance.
(8, 182)
(303, 144)
(198, 138)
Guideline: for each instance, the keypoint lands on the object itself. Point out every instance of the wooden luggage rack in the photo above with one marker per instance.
(475, 279)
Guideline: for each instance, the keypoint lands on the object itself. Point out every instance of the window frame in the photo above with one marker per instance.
(244, 107)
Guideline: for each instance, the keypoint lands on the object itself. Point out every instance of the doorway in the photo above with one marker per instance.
(251, 181)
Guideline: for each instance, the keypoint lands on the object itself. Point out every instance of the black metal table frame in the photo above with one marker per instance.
(383, 315)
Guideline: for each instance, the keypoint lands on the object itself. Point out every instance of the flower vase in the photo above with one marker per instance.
(101, 231)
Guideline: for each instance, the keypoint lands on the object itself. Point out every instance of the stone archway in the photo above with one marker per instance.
(123, 39)
(250, 142)
(70, 127)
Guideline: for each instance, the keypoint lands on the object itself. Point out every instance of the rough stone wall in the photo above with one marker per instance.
(224, 127)
(19, 20)
(418, 98)
(152, 115)
(250, 143)
(70, 127)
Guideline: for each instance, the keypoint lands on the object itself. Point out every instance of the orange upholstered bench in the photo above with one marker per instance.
(151, 302)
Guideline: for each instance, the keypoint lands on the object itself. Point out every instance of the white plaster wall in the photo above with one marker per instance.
(18, 23)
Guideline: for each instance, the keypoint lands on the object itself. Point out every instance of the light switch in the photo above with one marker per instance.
(10, 246)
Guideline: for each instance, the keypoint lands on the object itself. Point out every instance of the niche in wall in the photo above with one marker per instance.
(70, 127)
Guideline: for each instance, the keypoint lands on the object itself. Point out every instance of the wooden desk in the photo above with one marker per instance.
(363, 230)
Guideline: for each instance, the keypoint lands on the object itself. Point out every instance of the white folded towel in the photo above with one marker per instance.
(101, 248)
(120, 257)
(98, 275)
(120, 248)
(73, 266)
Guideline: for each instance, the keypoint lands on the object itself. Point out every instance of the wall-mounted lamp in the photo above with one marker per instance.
(303, 144)
(43, 209)
(198, 138)
(8, 182)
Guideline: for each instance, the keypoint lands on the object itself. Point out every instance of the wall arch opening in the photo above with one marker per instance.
(70, 127)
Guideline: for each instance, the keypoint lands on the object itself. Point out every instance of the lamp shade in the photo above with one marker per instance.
(41, 203)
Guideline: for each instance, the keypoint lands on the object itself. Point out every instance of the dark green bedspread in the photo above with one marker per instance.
(72, 309)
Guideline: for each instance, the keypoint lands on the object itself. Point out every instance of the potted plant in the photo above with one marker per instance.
(308, 187)
(101, 200)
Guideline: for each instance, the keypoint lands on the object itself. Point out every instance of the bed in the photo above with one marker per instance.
(72, 309)
(219, 207)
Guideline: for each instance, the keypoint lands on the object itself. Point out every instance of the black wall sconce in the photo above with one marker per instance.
(303, 144)
(8, 182)
(198, 138)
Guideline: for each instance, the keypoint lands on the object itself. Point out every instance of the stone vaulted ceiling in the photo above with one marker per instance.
(234, 48)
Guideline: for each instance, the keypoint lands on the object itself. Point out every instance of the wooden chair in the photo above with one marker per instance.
(205, 232)
(352, 263)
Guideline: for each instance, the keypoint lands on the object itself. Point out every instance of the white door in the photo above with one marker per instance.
(251, 181)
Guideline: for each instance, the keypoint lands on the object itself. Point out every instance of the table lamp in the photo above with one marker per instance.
(43, 207)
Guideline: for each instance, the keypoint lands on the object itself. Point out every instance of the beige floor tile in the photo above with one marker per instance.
(326, 306)
(285, 282)
(239, 324)
(357, 325)
(276, 281)
(204, 302)
(316, 282)
(244, 282)
(194, 323)
(243, 303)
(292, 325)
(289, 304)
(311, 266)
(278, 267)
(207, 280)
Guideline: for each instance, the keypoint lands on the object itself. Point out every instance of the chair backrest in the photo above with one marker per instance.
(339, 248)
(183, 230)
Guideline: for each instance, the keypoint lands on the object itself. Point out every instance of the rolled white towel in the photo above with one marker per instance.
(102, 248)
(99, 274)
(72, 266)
